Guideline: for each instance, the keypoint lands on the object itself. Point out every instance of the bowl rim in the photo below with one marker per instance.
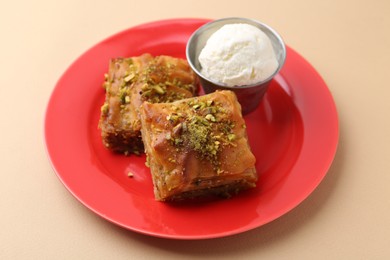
(245, 20)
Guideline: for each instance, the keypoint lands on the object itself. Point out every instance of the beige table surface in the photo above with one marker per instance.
(346, 217)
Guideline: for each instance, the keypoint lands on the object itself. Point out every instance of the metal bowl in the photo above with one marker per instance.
(249, 96)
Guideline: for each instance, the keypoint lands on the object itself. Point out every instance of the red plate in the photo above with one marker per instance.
(293, 134)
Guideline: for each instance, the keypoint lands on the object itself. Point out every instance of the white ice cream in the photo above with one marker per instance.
(238, 54)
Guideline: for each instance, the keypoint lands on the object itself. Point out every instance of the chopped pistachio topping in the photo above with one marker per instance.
(128, 78)
(174, 117)
(172, 160)
(147, 163)
(210, 117)
(231, 137)
(200, 131)
(158, 89)
(106, 85)
(158, 83)
(104, 108)
(123, 93)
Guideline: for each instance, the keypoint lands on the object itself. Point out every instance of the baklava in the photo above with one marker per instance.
(197, 147)
(131, 81)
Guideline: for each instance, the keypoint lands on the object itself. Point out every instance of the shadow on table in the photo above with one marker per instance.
(262, 237)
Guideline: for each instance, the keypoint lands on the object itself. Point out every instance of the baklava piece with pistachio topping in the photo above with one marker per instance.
(197, 147)
(131, 81)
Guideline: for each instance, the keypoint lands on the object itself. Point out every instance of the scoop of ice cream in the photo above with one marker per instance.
(238, 54)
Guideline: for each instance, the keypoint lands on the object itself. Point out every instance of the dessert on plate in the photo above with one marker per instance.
(131, 81)
(197, 147)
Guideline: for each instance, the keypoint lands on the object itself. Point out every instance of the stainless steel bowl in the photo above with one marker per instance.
(249, 96)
